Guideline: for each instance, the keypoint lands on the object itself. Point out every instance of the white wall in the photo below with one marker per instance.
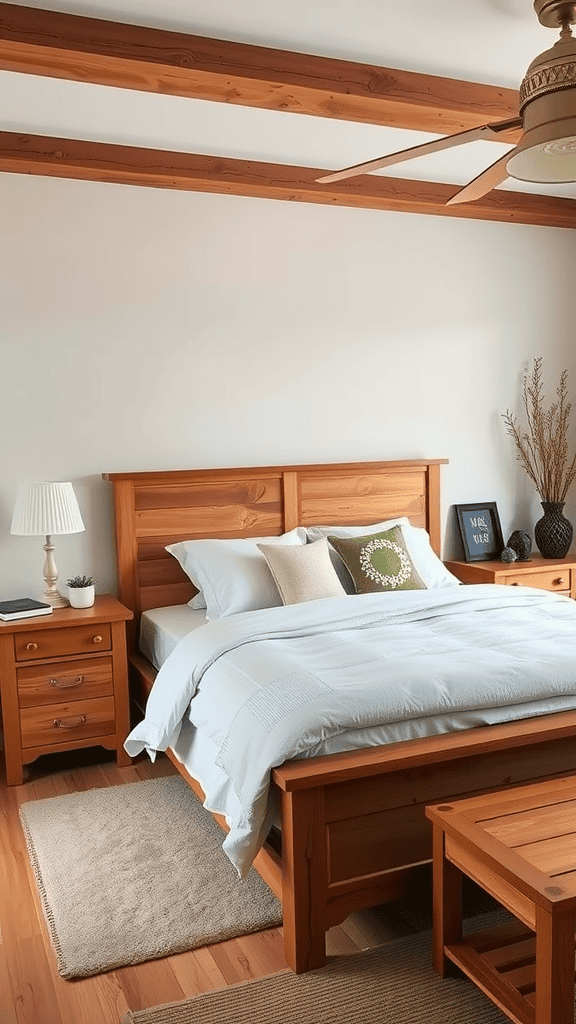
(147, 329)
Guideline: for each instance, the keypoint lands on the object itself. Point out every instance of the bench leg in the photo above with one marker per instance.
(446, 905)
(554, 966)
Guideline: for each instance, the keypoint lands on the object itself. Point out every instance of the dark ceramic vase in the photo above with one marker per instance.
(553, 532)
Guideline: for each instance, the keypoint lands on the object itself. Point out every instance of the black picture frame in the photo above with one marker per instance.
(480, 531)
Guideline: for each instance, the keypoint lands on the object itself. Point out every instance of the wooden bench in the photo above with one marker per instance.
(520, 846)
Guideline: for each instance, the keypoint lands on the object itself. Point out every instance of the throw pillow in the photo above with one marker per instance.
(303, 573)
(378, 561)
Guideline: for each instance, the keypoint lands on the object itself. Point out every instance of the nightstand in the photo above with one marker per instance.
(64, 683)
(557, 574)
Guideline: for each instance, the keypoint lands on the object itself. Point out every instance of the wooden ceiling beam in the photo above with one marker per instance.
(128, 165)
(82, 49)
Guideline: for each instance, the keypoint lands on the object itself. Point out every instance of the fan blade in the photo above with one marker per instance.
(484, 183)
(485, 131)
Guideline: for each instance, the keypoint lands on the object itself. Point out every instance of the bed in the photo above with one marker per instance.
(353, 829)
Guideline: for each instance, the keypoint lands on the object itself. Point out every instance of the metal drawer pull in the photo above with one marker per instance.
(97, 639)
(65, 684)
(69, 723)
(559, 581)
(31, 647)
(517, 584)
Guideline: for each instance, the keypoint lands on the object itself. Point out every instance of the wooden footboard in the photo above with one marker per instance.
(353, 825)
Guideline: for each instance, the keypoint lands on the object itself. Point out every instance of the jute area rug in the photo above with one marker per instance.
(393, 984)
(136, 872)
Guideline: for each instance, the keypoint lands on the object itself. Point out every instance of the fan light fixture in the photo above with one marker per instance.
(547, 151)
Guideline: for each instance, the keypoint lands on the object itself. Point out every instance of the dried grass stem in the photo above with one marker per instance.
(542, 449)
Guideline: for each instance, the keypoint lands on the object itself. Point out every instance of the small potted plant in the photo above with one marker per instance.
(81, 591)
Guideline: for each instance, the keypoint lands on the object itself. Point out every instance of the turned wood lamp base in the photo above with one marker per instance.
(51, 593)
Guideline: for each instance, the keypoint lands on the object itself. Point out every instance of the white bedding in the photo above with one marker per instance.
(295, 681)
(162, 628)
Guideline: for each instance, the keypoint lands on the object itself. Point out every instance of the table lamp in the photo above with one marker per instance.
(42, 509)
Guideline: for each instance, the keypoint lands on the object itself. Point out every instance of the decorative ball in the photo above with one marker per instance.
(508, 555)
(521, 543)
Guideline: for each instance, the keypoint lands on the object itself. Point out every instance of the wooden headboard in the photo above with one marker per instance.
(155, 509)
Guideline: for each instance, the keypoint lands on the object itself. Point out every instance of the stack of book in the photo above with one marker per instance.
(23, 608)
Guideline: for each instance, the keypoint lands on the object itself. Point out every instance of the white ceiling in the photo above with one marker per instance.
(490, 41)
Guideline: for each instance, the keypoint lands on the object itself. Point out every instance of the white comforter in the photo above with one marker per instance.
(275, 684)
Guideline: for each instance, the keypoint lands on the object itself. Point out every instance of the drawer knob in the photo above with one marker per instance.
(69, 723)
(516, 584)
(31, 647)
(560, 580)
(97, 639)
(65, 684)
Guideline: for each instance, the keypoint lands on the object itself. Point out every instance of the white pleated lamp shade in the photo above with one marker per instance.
(44, 508)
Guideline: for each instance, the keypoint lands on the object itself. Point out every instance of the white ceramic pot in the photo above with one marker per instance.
(81, 597)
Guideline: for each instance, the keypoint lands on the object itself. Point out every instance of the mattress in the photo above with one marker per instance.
(162, 628)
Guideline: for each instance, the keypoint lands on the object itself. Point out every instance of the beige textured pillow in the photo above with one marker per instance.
(303, 572)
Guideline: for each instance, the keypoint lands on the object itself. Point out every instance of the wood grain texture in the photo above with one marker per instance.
(554, 1002)
(121, 692)
(75, 48)
(502, 993)
(304, 879)
(84, 639)
(488, 841)
(446, 903)
(50, 684)
(249, 493)
(46, 726)
(177, 64)
(189, 172)
(557, 574)
(155, 509)
(10, 710)
(64, 683)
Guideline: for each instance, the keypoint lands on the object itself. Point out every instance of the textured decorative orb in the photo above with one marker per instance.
(508, 555)
(521, 543)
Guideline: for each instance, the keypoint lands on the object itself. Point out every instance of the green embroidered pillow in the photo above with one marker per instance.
(378, 561)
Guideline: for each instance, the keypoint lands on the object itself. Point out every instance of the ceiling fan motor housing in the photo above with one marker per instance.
(555, 13)
(547, 150)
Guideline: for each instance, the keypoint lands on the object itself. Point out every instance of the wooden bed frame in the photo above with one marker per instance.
(353, 824)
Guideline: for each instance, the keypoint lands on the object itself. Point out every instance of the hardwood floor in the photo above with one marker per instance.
(31, 990)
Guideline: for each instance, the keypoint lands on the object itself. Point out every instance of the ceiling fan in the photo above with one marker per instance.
(546, 151)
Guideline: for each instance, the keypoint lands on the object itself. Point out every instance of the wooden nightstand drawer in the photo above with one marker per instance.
(52, 643)
(557, 575)
(65, 681)
(557, 579)
(61, 723)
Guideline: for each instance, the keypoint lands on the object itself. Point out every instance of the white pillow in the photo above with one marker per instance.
(303, 573)
(432, 570)
(232, 575)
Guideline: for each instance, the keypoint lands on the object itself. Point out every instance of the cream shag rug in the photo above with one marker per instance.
(393, 984)
(136, 872)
